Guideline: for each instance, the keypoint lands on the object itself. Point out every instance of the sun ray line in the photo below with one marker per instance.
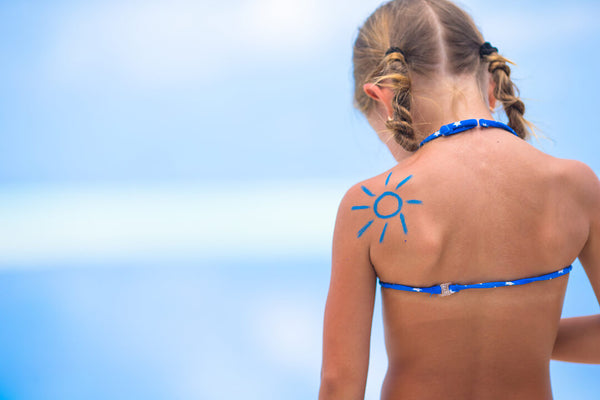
(360, 207)
(383, 233)
(367, 191)
(414, 202)
(364, 228)
(403, 223)
(388, 179)
(403, 181)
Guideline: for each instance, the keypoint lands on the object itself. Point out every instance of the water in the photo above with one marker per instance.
(192, 330)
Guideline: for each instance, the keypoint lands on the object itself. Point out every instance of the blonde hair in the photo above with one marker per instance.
(434, 35)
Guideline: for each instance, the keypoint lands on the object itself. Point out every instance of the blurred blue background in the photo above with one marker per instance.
(169, 177)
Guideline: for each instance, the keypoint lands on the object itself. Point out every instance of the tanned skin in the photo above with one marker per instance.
(493, 208)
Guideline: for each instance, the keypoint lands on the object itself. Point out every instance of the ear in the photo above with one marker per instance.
(382, 95)
(490, 94)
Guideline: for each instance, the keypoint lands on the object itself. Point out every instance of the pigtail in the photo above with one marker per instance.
(505, 93)
(434, 37)
(394, 75)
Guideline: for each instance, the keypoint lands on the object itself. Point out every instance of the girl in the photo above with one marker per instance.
(471, 235)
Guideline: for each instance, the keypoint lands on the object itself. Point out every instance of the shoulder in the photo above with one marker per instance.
(359, 198)
(582, 182)
(581, 176)
(379, 197)
(369, 189)
(363, 188)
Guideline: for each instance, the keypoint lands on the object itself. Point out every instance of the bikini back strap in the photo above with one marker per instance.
(446, 289)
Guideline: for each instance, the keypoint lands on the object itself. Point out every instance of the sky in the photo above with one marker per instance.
(151, 146)
(209, 91)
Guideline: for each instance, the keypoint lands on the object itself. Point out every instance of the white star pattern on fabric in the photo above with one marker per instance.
(444, 288)
(460, 126)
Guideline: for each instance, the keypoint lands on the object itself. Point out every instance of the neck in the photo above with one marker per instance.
(444, 100)
(436, 101)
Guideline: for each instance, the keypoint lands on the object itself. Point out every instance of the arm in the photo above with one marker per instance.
(578, 339)
(348, 312)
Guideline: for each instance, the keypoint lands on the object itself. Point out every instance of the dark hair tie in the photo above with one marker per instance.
(486, 49)
(395, 50)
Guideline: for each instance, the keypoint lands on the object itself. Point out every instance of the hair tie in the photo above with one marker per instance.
(486, 49)
(395, 50)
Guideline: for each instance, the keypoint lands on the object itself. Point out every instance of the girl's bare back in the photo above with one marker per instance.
(479, 206)
(493, 209)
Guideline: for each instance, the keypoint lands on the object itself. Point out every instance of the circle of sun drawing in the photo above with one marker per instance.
(389, 196)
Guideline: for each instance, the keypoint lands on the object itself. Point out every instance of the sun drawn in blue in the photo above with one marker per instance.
(386, 195)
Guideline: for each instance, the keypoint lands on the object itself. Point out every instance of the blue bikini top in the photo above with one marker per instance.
(446, 289)
(464, 125)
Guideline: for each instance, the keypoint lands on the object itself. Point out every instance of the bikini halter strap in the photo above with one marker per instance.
(464, 125)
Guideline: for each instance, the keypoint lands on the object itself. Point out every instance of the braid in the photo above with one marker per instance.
(430, 39)
(505, 93)
(393, 74)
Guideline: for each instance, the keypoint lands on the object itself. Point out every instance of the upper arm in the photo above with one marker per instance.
(349, 309)
(589, 189)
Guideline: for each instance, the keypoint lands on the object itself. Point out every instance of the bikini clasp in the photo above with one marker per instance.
(446, 289)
